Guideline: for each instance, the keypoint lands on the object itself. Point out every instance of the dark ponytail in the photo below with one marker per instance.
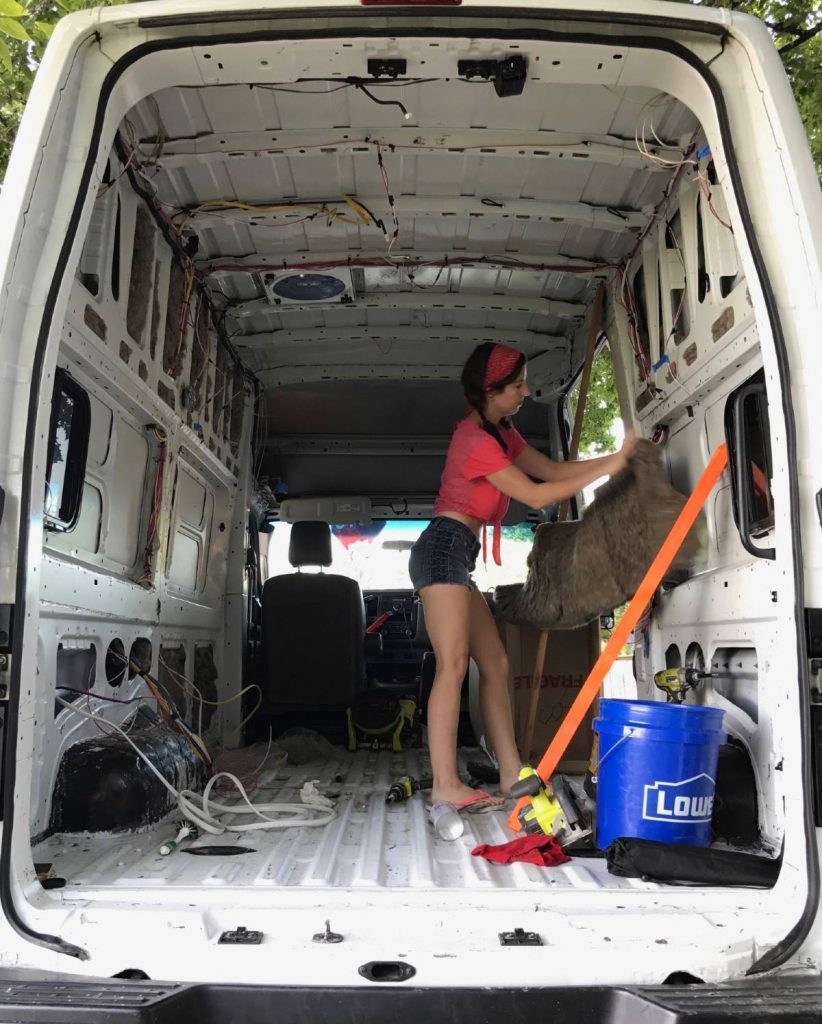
(476, 394)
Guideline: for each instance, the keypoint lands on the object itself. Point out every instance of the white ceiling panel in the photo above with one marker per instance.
(552, 176)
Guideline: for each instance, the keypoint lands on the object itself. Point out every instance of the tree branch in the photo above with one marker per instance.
(802, 38)
(782, 27)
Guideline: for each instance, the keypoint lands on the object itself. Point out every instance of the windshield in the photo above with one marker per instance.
(376, 554)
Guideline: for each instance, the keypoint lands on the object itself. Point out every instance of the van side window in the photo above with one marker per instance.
(68, 446)
(748, 431)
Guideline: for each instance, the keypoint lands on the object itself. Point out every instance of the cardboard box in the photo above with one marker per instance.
(569, 657)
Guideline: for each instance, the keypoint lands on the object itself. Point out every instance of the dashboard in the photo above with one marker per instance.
(403, 625)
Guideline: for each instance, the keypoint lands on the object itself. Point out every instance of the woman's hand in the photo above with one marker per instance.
(627, 450)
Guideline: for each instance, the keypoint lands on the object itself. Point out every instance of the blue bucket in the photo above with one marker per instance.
(657, 771)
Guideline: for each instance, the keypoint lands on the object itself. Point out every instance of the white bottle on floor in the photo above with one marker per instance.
(446, 820)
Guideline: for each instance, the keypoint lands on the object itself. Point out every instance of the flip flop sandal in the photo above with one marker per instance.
(480, 803)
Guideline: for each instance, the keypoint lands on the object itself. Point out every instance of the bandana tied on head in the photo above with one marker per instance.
(501, 362)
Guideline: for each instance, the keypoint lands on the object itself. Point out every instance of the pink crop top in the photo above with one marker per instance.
(472, 455)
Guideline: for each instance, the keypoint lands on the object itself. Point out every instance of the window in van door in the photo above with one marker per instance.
(748, 432)
(68, 446)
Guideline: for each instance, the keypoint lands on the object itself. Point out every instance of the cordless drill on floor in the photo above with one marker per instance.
(405, 788)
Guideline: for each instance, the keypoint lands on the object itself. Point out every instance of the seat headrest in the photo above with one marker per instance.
(310, 544)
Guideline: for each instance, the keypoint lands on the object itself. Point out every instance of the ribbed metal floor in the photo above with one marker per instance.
(369, 845)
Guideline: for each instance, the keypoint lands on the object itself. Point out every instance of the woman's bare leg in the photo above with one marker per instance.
(447, 609)
(486, 649)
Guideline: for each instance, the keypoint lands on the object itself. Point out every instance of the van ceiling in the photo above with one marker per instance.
(475, 217)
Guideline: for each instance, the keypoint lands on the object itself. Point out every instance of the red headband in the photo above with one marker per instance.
(500, 364)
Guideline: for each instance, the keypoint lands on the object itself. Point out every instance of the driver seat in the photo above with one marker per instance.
(312, 629)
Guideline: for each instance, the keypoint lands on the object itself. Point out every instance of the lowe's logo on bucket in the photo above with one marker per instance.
(691, 800)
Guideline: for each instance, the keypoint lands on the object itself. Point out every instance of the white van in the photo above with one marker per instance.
(246, 252)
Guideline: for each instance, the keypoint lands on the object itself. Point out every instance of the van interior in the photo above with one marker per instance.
(293, 235)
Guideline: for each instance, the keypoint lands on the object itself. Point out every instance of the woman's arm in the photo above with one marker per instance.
(573, 476)
(515, 484)
(536, 464)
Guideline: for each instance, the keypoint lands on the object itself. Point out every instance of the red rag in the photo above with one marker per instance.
(544, 851)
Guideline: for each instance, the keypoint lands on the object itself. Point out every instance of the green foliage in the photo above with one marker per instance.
(520, 532)
(25, 29)
(796, 27)
(601, 407)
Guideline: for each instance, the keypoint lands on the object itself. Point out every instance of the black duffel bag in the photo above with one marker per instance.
(666, 862)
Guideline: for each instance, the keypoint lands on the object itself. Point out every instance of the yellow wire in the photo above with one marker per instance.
(363, 214)
(217, 205)
(254, 710)
(217, 703)
(190, 278)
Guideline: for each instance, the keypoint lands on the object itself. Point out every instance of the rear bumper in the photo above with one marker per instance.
(23, 999)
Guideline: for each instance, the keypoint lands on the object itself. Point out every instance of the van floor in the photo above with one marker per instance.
(368, 845)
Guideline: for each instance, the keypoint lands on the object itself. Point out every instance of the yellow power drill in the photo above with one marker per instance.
(676, 682)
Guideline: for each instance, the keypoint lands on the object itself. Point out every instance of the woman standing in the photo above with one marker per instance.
(488, 462)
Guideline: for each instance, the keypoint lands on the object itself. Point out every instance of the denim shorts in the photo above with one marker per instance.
(445, 552)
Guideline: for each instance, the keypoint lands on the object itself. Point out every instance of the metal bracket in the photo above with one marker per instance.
(477, 68)
(327, 936)
(387, 67)
(241, 937)
(519, 937)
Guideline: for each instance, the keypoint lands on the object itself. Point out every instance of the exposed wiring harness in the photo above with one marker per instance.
(195, 694)
(167, 706)
(169, 710)
(126, 147)
(146, 579)
(321, 208)
(392, 238)
(623, 294)
(494, 261)
(315, 810)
